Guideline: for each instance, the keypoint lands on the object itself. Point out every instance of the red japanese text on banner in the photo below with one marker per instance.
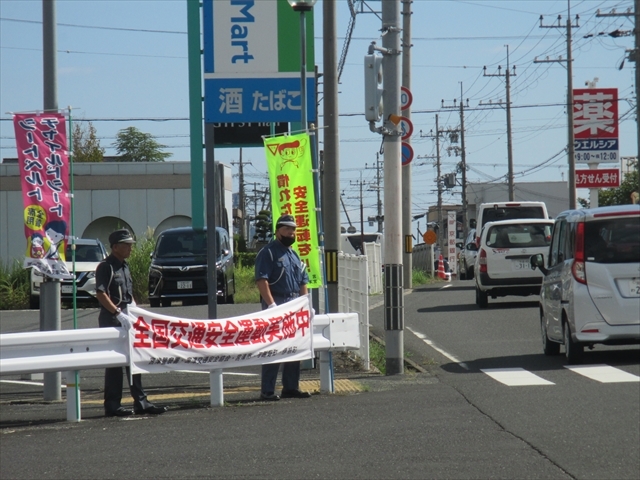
(159, 343)
(41, 140)
(292, 193)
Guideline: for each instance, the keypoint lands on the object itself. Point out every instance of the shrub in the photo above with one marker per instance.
(139, 263)
(246, 290)
(14, 286)
(245, 259)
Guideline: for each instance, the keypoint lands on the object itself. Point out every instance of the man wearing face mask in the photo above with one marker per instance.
(280, 277)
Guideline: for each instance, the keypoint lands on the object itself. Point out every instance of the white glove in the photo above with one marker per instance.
(273, 305)
(124, 320)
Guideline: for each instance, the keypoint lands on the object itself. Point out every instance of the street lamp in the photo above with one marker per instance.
(303, 6)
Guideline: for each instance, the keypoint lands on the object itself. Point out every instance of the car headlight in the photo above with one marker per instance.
(90, 275)
(154, 270)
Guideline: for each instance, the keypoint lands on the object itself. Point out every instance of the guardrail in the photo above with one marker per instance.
(73, 350)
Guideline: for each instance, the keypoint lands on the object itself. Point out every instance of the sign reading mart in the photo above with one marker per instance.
(252, 62)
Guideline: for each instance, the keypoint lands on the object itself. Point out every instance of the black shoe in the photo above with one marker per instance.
(151, 410)
(294, 394)
(269, 397)
(119, 412)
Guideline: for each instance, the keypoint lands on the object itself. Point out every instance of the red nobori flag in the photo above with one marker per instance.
(43, 157)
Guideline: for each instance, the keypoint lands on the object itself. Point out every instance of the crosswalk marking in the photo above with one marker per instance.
(603, 373)
(515, 377)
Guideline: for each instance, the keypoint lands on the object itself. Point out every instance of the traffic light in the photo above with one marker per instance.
(373, 87)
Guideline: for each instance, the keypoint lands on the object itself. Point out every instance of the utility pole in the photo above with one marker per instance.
(360, 184)
(394, 300)
(241, 199)
(569, 61)
(331, 172)
(378, 188)
(507, 74)
(437, 136)
(407, 260)
(634, 56)
(462, 166)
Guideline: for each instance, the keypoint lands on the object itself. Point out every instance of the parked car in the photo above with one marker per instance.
(468, 254)
(499, 211)
(89, 253)
(591, 288)
(503, 262)
(178, 268)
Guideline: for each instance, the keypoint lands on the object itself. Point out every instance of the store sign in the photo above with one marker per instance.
(601, 178)
(595, 125)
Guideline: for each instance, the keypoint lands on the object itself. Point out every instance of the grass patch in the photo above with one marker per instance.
(14, 286)
(246, 290)
(419, 277)
(378, 356)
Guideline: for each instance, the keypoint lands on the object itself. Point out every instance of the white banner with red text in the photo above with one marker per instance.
(160, 343)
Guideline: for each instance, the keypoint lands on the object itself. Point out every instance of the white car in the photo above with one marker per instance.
(467, 258)
(503, 262)
(591, 288)
(89, 253)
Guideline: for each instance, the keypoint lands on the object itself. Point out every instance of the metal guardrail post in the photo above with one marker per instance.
(216, 387)
(73, 396)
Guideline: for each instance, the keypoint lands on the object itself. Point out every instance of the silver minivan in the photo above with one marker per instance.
(591, 288)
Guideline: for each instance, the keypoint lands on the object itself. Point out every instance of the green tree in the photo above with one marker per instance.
(135, 146)
(263, 226)
(86, 146)
(622, 194)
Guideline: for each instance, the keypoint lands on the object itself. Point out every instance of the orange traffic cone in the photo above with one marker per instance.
(441, 273)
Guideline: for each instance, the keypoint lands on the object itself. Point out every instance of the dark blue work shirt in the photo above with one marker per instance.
(282, 268)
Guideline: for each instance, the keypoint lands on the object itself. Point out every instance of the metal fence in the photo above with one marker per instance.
(423, 258)
(373, 252)
(353, 295)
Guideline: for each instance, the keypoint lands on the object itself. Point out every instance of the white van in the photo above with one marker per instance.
(498, 211)
(591, 288)
(351, 242)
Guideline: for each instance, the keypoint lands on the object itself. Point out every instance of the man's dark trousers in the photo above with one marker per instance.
(113, 377)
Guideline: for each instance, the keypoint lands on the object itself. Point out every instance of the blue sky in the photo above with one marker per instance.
(123, 61)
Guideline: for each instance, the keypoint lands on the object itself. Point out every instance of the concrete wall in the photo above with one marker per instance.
(108, 196)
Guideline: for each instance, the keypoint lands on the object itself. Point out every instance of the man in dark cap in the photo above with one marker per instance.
(280, 277)
(114, 291)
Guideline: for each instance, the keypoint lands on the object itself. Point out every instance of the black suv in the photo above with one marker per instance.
(178, 268)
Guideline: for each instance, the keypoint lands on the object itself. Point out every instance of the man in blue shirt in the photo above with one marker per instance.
(280, 277)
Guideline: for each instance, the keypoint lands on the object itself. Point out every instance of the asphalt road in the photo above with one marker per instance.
(456, 421)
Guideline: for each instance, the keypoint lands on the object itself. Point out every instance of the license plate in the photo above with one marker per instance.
(634, 287)
(518, 265)
(185, 285)
(66, 288)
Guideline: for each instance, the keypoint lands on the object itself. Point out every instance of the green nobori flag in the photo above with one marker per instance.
(292, 192)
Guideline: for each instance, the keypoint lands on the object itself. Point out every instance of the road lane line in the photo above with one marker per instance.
(446, 286)
(239, 374)
(424, 338)
(22, 382)
(515, 377)
(603, 373)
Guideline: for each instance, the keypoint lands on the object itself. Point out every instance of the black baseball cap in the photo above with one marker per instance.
(121, 236)
(286, 221)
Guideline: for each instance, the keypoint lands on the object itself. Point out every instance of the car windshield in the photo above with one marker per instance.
(613, 240)
(511, 213)
(521, 235)
(85, 253)
(183, 244)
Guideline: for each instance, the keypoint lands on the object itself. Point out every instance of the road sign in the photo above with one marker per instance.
(406, 127)
(407, 153)
(429, 237)
(598, 178)
(406, 98)
(595, 113)
(252, 62)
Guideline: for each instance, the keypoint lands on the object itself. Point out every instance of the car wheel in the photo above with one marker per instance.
(549, 347)
(482, 298)
(572, 350)
(154, 302)
(34, 302)
(166, 302)
(470, 273)
(463, 271)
